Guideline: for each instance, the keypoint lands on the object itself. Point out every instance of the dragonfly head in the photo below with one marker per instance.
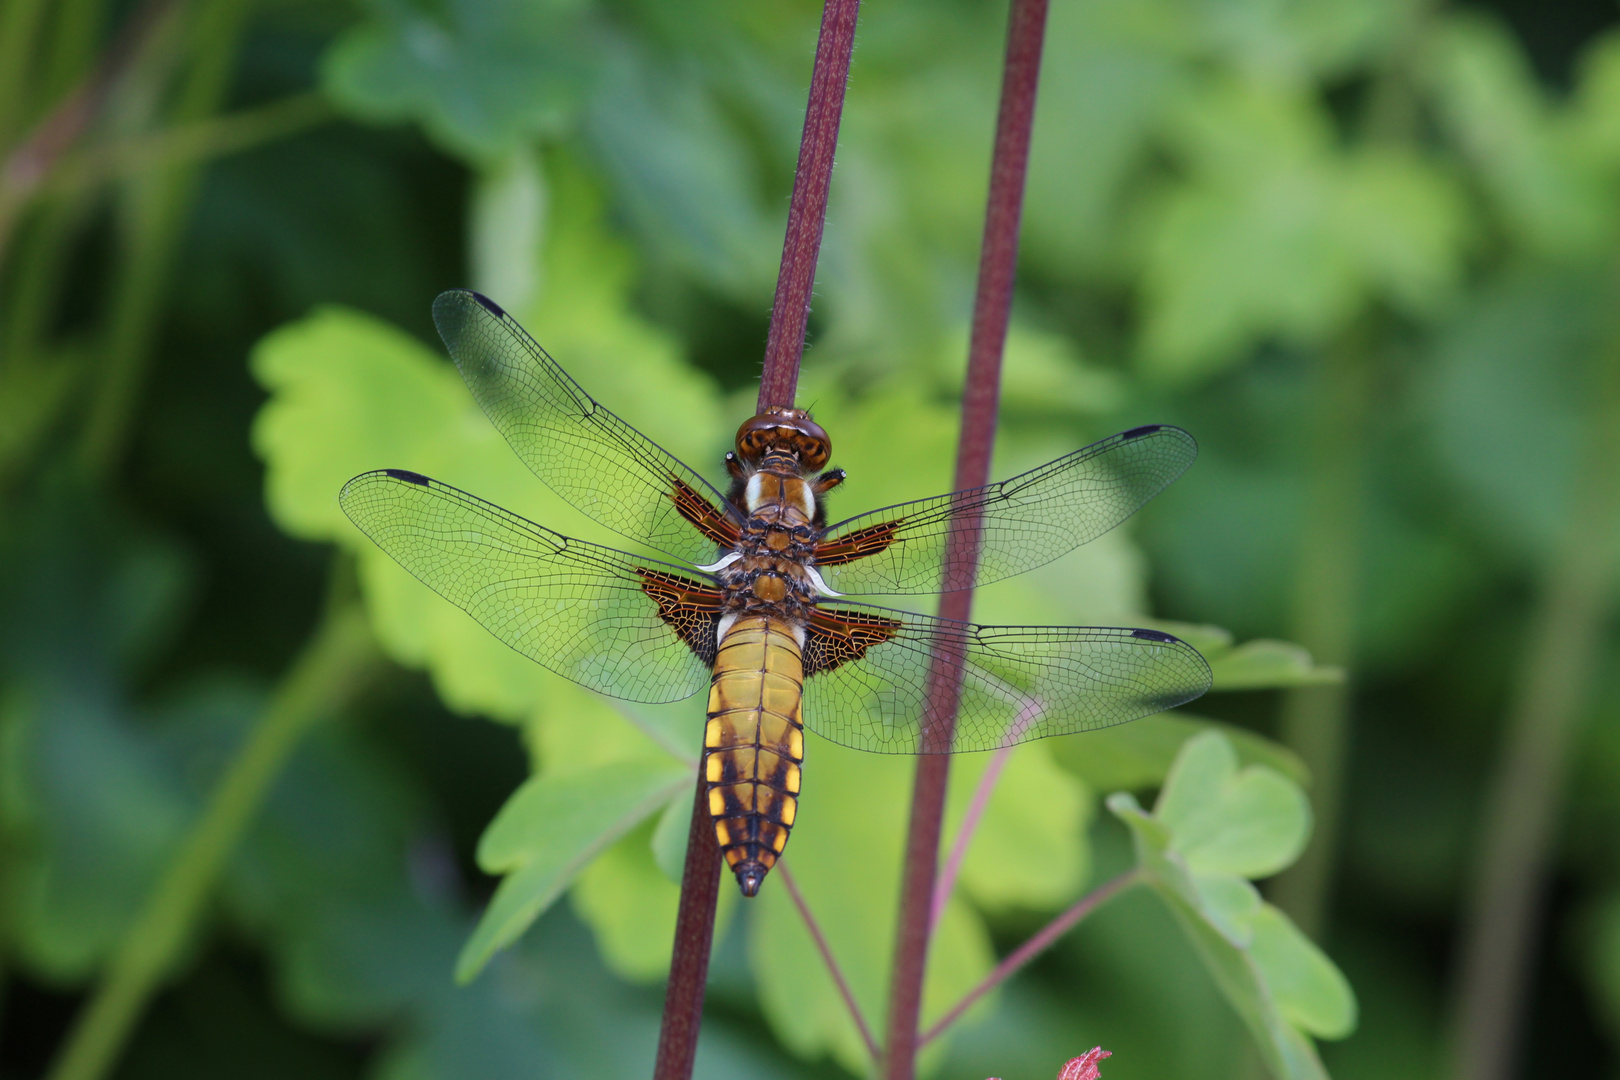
(781, 429)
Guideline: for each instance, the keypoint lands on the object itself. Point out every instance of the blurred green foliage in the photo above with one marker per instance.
(1226, 200)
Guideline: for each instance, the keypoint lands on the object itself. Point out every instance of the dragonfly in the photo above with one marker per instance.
(753, 601)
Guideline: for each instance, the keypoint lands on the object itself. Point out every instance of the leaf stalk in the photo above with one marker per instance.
(1044, 939)
(837, 973)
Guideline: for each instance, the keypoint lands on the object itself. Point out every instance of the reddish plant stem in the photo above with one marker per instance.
(827, 958)
(1032, 948)
(700, 879)
(694, 937)
(998, 260)
(807, 212)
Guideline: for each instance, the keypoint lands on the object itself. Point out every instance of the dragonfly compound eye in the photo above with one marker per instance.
(784, 429)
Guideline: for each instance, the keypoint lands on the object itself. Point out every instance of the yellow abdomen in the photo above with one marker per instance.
(754, 744)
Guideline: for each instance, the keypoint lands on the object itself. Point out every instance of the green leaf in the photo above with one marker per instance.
(1214, 826)
(1311, 992)
(1031, 852)
(102, 816)
(1528, 157)
(546, 834)
(670, 837)
(351, 393)
(630, 903)
(1508, 392)
(1275, 233)
(1224, 821)
(1287, 1053)
(685, 176)
(1263, 664)
(1231, 905)
(480, 77)
(1139, 754)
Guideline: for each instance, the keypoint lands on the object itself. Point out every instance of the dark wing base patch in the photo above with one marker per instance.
(841, 636)
(690, 608)
(708, 519)
(858, 544)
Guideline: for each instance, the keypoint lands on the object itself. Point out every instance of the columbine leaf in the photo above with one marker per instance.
(684, 174)
(1215, 825)
(480, 77)
(670, 836)
(1489, 103)
(1230, 904)
(1249, 823)
(1276, 233)
(547, 833)
(1263, 664)
(1311, 992)
(630, 903)
(1030, 849)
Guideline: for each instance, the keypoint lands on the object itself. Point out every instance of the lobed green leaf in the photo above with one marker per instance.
(547, 833)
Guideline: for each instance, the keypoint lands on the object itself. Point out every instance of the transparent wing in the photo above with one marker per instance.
(589, 613)
(1027, 521)
(584, 453)
(868, 668)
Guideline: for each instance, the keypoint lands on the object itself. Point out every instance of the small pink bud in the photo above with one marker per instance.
(1084, 1067)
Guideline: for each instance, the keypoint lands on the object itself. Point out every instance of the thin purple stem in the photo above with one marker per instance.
(992, 310)
(827, 958)
(1032, 948)
(700, 879)
(1027, 716)
(964, 835)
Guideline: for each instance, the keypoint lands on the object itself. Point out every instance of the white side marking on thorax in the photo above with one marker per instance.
(807, 500)
(798, 633)
(724, 628)
(725, 561)
(821, 586)
(751, 493)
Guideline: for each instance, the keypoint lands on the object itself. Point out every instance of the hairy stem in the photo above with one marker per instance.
(827, 958)
(694, 940)
(333, 665)
(1029, 950)
(807, 212)
(700, 879)
(1316, 719)
(1566, 634)
(992, 310)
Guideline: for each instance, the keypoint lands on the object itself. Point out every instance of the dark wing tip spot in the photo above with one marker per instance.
(489, 305)
(1154, 635)
(408, 476)
(1138, 432)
